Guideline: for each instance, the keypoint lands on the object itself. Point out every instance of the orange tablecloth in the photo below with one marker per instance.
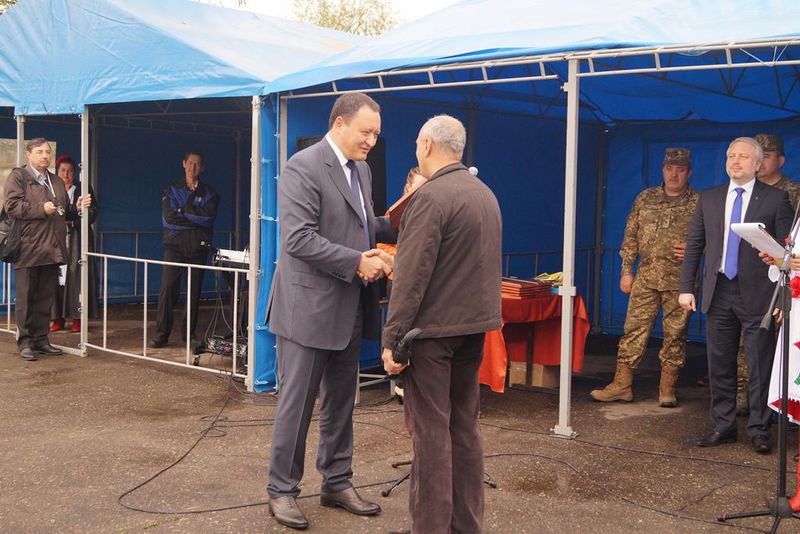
(542, 317)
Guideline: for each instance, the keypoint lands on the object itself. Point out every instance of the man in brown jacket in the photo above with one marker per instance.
(39, 200)
(447, 283)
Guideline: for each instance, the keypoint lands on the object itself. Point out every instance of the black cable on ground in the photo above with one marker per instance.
(613, 493)
(218, 422)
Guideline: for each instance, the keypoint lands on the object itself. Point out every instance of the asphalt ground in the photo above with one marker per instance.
(111, 444)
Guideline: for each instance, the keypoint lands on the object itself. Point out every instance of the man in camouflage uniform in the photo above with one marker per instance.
(769, 173)
(656, 234)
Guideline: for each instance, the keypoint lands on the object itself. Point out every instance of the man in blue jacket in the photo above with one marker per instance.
(188, 210)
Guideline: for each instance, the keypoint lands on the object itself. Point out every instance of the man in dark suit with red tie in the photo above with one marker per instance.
(736, 289)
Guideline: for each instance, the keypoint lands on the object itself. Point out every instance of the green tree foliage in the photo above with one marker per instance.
(363, 17)
(5, 4)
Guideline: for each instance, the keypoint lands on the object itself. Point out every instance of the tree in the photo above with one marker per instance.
(5, 4)
(364, 17)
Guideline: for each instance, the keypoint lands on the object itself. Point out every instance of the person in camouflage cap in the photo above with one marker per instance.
(769, 173)
(655, 234)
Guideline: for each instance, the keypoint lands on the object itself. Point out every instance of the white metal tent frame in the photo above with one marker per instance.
(88, 150)
(581, 64)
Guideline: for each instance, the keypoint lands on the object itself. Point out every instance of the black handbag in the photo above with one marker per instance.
(9, 237)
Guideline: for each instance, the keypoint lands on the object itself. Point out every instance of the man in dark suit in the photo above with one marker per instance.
(321, 303)
(736, 289)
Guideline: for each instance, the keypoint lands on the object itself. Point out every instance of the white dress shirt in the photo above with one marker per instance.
(748, 192)
(343, 162)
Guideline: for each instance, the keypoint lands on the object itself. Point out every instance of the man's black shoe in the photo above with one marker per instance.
(287, 513)
(350, 500)
(47, 348)
(717, 438)
(761, 444)
(157, 343)
(28, 354)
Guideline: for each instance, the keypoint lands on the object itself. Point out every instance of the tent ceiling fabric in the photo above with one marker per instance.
(58, 55)
(475, 30)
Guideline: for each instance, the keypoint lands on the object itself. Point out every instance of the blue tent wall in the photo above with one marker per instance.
(265, 375)
(133, 167)
(635, 158)
(520, 157)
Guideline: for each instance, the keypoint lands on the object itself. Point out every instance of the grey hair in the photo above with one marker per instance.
(446, 132)
(753, 143)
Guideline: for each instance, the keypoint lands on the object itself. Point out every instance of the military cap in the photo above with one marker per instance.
(770, 143)
(678, 156)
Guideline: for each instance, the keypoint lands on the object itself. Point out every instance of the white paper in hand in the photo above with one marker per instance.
(755, 234)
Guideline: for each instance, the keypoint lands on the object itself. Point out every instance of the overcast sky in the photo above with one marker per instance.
(407, 10)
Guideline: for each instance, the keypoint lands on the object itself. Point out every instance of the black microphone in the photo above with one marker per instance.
(403, 350)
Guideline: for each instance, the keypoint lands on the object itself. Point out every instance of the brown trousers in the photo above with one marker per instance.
(442, 403)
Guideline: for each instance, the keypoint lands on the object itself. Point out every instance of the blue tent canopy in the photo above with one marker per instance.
(490, 30)
(58, 55)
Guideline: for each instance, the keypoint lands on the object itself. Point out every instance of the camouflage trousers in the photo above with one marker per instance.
(643, 308)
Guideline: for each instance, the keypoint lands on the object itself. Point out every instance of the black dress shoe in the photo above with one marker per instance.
(47, 348)
(286, 512)
(761, 444)
(349, 500)
(157, 343)
(717, 438)
(28, 354)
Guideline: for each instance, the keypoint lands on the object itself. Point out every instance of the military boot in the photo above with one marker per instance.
(666, 387)
(619, 388)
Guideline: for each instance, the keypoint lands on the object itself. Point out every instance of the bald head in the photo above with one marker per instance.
(447, 133)
(440, 142)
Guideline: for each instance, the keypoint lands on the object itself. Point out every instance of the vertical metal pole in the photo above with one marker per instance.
(237, 212)
(235, 352)
(283, 133)
(136, 264)
(255, 240)
(93, 157)
(602, 164)
(20, 162)
(188, 311)
(472, 121)
(20, 140)
(144, 330)
(84, 221)
(105, 302)
(567, 290)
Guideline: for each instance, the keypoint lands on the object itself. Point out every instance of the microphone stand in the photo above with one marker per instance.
(781, 508)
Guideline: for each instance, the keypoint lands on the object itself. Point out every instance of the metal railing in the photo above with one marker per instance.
(188, 350)
(136, 240)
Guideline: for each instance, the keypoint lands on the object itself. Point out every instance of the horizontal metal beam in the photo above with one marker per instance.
(587, 56)
(429, 85)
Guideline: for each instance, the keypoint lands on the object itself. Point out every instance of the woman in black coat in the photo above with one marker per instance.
(67, 302)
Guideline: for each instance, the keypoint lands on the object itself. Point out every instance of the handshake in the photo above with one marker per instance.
(374, 265)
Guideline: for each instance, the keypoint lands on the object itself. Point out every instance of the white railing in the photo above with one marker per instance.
(234, 370)
(135, 238)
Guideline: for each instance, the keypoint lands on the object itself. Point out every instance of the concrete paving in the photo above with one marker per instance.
(79, 433)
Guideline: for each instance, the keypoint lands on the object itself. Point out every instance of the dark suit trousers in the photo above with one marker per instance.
(170, 291)
(727, 318)
(35, 293)
(442, 402)
(304, 373)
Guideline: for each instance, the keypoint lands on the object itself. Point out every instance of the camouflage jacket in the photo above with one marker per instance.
(654, 226)
(792, 189)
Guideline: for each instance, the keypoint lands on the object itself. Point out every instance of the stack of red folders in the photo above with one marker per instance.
(521, 288)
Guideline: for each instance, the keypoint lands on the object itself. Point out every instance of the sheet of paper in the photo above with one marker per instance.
(755, 234)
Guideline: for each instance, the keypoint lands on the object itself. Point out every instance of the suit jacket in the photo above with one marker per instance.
(767, 205)
(43, 238)
(315, 291)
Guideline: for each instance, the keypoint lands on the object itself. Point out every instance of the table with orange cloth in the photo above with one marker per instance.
(540, 316)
